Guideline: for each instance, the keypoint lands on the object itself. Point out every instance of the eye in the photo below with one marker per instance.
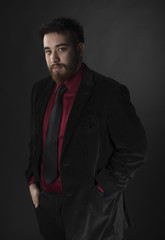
(62, 49)
(47, 52)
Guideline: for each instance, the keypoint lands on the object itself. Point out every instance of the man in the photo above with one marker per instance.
(86, 143)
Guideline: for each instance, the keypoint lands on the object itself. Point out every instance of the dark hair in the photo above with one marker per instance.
(63, 25)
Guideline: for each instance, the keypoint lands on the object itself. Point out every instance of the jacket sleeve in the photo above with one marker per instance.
(128, 136)
(29, 171)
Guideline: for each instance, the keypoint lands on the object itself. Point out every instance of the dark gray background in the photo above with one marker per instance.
(125, 41)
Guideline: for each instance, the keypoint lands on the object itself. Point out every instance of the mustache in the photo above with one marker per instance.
(57, 65)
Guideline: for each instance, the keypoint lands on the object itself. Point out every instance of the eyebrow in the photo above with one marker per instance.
(58, 45)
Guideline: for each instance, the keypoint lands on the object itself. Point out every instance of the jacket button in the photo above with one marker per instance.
(68, 194)
(66, 164)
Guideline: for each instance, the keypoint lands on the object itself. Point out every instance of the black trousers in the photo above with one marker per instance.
(51, 215)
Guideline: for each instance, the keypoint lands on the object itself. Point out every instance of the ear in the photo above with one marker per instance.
(80, 48)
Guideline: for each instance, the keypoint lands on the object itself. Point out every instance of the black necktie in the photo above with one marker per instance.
(50, 153)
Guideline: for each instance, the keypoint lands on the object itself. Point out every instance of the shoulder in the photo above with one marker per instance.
(109, 86)
(40, 86)
(42, 83)
(104, 81)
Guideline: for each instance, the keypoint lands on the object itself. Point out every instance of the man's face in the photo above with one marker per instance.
(63, 58)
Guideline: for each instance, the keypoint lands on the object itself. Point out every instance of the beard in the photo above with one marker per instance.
(60, 77)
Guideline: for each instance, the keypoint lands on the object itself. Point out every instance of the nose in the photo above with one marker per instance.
(55, 57)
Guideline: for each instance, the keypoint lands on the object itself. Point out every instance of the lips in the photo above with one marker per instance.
(56, 67)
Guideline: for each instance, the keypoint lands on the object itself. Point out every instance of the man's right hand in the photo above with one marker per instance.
(34, 192)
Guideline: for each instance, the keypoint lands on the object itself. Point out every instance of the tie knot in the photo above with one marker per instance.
(61, 89)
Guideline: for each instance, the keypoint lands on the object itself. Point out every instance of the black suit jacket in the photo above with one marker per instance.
(104, 143)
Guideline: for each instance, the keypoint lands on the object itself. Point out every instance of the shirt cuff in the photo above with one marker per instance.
(31, 180)
(100, 188)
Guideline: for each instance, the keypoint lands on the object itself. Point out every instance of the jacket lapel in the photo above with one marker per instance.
(83, 94)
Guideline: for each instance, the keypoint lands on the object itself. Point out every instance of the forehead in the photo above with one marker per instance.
(54, 38)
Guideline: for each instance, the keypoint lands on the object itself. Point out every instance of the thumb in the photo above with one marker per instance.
(36, 201)
(36, 205)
